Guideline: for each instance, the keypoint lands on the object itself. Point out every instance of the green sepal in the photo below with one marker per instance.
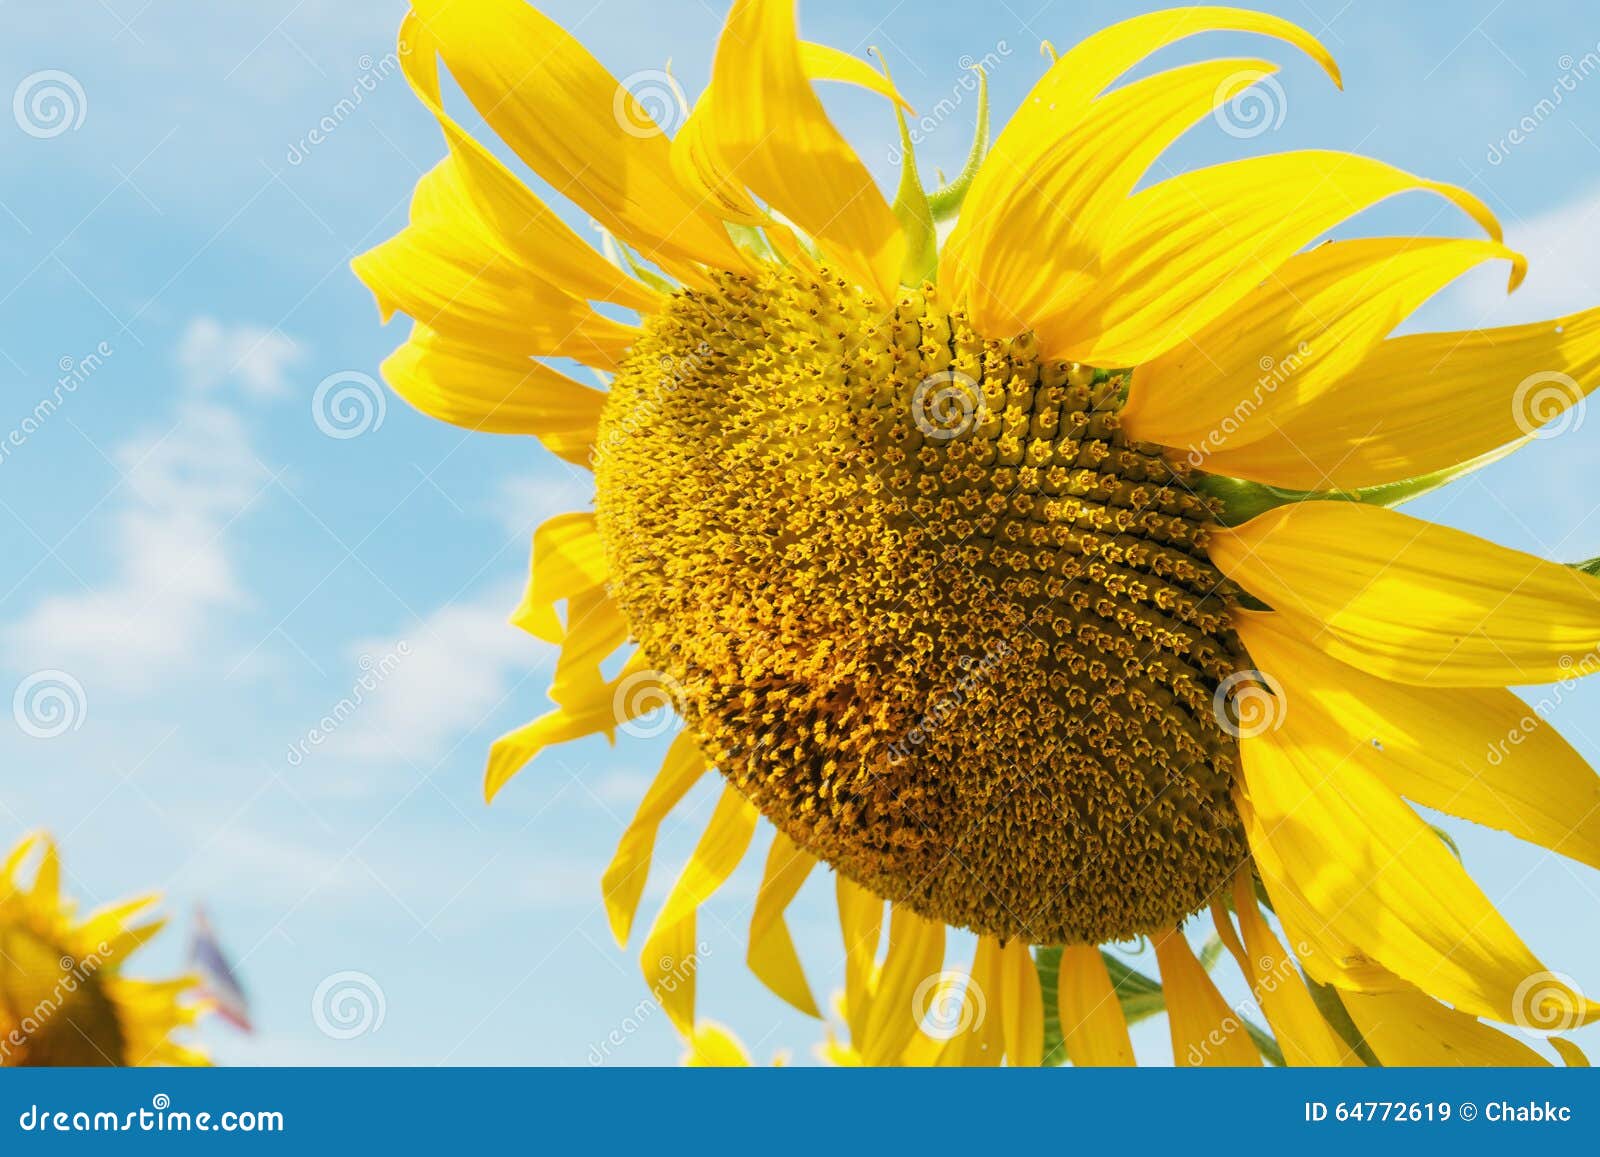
(945, 202)
(622, 257)
(911, 207)
(751, 241)
(1242, 500)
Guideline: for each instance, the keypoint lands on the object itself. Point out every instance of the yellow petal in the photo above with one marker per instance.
(447, 279)
(1061, 96)
(1571, 1055)
(699, 165)
(1413, 602)
(956, 1008)
(1021, 1006)
(672, 955)
(979, 1040)
(1301, 1032)
(1092, 1024)
(1413, 1029)
(771, 132)
(714, 1046)
(1078, 175)
(772, 956)
(861, 924)
(1061, 100)
(476, 388)
(1180, 254)
(623, 881)
(1205, 1031)
(1478, 753)
(574, 124)
(632, 693)
(1326, 957)
(1369, 868)
(1424, 403)
(568, 560)
(595, 630)
(822, 62)
(915, 958)
(477, 188)
(1295, 337)
(46, 887)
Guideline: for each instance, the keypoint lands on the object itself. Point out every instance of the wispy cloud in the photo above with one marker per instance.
(453, 671)
(167, 526)
(259, 361)
(523, 501)
(172, 571)
(1563, 251)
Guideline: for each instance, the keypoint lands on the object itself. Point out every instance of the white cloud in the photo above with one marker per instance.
(448, 675)
(523, 501)
(172, 569)
(1563, 251)
(259, 360)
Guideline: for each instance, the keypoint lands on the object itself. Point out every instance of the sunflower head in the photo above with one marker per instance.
(926, 604)
(1018, 548)
(64, 999)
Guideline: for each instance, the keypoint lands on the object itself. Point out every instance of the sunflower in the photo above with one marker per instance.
(63, 997)
(1019, 549)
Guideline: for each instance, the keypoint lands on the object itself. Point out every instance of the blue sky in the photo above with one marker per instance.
(184, 540)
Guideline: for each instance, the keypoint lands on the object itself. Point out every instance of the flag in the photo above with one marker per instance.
(217, 979)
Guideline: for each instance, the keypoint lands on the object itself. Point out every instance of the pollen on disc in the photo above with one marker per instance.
(926, 606)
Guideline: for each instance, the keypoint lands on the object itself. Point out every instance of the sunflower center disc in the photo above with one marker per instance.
(925, 606)
(60, 1012)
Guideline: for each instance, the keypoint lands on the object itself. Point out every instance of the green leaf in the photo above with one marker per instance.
(945, 202)
(1338, 1017)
